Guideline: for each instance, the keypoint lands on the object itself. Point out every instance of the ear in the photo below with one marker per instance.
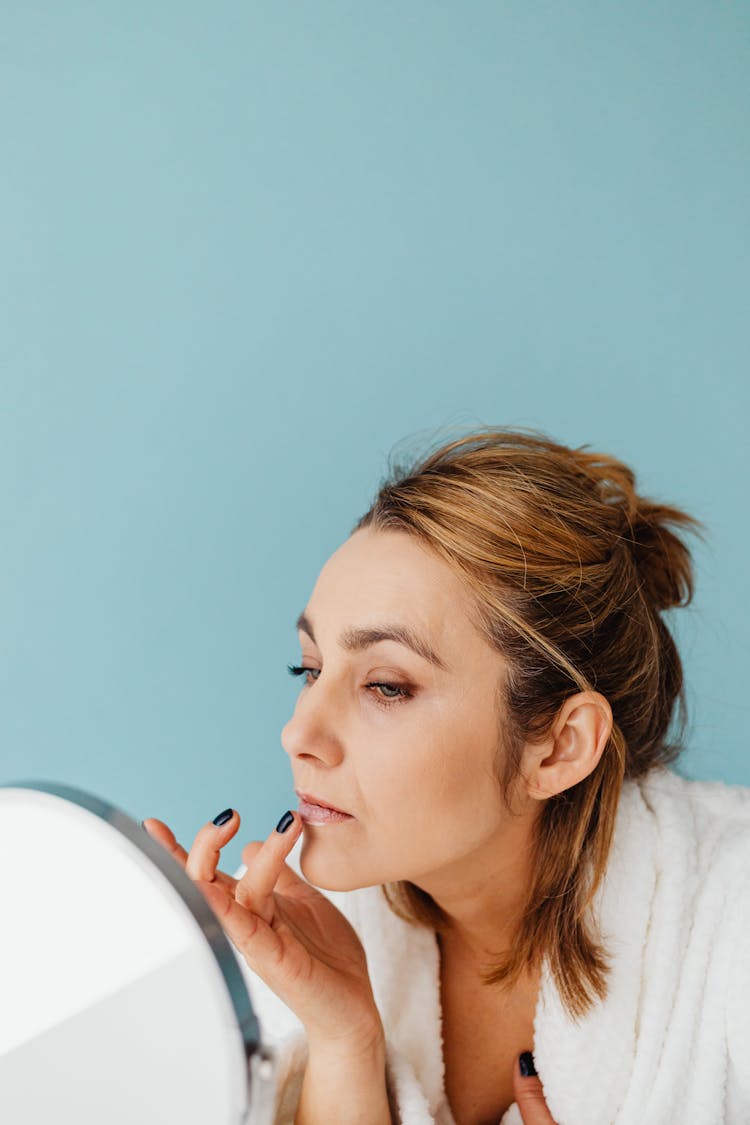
(574, 747)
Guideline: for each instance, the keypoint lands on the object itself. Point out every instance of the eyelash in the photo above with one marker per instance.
(382, 701)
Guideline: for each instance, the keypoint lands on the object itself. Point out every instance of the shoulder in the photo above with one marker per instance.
(681, 854)
(712, 817)
(714, 799)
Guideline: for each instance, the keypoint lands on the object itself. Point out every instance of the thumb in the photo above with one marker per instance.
(529, 1094)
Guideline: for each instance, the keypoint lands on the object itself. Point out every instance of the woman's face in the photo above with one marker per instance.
(414, 770)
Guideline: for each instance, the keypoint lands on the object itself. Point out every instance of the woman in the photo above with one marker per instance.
(524, 915)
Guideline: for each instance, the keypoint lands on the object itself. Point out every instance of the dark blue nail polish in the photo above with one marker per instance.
(223, 817)
(526, 1065)
(285, 821)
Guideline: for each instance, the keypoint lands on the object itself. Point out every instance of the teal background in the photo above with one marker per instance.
(249, 249)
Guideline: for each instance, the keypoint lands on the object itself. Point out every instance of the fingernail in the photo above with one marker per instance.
(285, 821)
(223, 817)
(526, 1065)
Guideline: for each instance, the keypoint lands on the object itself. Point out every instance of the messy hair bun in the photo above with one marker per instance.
(662, 557)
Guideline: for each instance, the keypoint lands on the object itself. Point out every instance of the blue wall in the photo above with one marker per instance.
(249, 248)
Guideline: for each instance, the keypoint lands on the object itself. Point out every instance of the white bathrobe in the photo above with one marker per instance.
(670, 1044)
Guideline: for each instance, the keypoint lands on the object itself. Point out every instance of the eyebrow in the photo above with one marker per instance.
(357, 639)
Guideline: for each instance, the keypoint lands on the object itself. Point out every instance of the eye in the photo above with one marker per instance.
(299, 669)
(402, 693)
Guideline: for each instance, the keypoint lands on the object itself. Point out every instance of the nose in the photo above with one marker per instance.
(310, 732)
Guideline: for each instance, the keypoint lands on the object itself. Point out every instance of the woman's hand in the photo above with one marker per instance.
(527, 1088)
(289, 933)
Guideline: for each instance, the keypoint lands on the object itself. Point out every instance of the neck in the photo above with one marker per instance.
(483, 894)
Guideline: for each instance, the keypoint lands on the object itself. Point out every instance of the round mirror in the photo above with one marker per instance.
(121, 997)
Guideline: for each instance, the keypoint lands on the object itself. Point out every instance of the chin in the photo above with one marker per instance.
(329, 870)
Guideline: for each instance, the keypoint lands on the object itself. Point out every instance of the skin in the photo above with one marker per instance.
(415, 773)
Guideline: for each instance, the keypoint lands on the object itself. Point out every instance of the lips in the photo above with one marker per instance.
(318, 802)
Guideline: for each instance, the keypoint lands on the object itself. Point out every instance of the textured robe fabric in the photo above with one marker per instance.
(670, 1043)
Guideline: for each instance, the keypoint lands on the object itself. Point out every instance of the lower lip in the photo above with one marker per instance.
(316, 814)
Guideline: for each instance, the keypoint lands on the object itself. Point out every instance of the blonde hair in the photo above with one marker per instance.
(569, 570)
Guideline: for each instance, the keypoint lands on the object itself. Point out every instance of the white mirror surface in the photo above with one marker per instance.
(121, 998)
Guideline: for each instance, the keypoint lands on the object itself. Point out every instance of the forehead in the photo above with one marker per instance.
(377, 574)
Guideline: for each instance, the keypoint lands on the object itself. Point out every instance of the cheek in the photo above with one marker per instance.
(436, 767)
(455, 779)
(419, 787)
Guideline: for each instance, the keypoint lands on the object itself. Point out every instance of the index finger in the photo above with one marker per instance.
(255, 889)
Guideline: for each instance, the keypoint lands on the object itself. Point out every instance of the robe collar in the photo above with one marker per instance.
(585, 1065)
